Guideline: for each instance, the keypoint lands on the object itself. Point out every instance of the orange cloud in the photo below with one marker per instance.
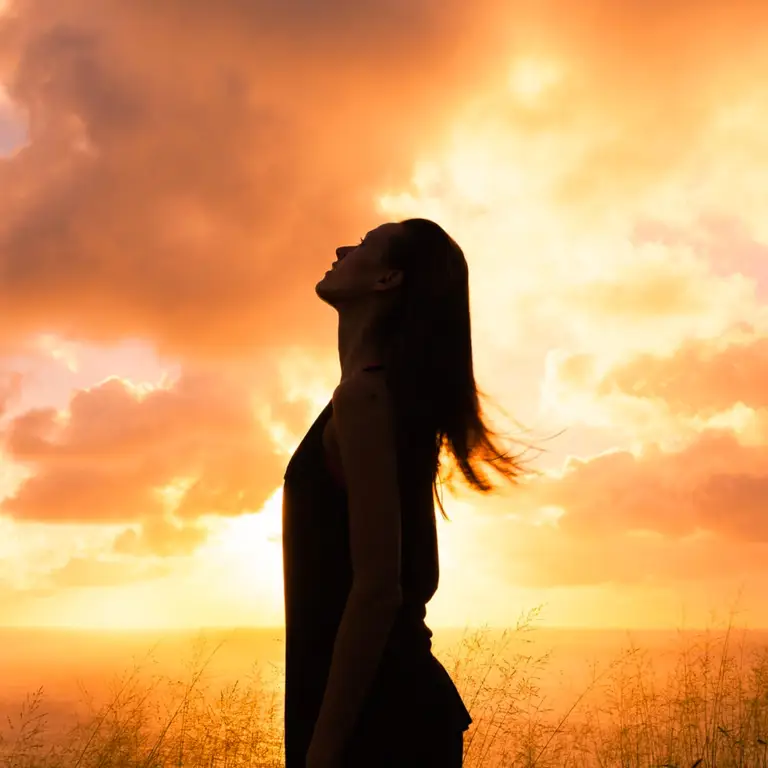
(726, 241)
(688, 504)
(715, 484)
(161, 537)
(115, 455)
(699, 378)
(544, 557)
(649, 80)
(190, 170)
(186, 202)
(10, 387)
(702, 382)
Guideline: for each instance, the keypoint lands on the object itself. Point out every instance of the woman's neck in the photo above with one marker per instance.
(359, 346)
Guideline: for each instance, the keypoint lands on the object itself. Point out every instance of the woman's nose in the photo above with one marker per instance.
(341, 251)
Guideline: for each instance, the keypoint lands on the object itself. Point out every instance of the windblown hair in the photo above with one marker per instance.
(429, 363)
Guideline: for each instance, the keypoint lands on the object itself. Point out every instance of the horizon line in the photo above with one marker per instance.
(435, 630)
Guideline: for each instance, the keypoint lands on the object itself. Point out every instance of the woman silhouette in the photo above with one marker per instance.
(363, 689)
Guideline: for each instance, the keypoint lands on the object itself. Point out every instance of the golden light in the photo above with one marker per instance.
(172, 493)
(127, 607)
(739, 418)
(12, 475)
(303, 379)
(308, 378)
(249, 550)
(61, 351)
(548, 516)
(531, 77)
(140, 390)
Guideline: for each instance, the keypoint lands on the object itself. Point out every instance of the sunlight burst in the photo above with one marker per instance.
(249, 548)
(530, 78)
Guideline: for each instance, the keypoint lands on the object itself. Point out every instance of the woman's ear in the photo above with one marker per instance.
(390, 279)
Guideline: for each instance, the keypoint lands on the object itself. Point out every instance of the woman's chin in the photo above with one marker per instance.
(321, 288)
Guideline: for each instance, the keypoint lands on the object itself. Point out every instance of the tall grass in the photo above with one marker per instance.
(710, 710)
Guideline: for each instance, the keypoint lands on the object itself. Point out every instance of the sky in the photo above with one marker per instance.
(174, 179)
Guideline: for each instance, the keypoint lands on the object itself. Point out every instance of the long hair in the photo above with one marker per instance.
(429, 360)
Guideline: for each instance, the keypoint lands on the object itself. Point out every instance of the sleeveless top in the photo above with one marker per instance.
(411, 690)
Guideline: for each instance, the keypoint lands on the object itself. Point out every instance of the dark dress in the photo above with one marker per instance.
(413, 715)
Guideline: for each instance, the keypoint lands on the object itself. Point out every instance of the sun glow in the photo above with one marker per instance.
(250, 548)
(611, 208)
(530, 78)
(126, 608)
(172, 493)
(59, 350)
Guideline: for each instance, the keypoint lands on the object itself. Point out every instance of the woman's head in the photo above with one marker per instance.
(417, 275)
(361, 272)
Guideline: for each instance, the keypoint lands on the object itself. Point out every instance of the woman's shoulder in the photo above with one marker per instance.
(366, 389)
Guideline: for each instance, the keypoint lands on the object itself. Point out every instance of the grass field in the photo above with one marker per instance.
(709, 707)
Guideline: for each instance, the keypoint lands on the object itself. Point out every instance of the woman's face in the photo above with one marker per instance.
(360, 270)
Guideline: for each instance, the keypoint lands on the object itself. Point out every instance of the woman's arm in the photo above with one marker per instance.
(364, 423)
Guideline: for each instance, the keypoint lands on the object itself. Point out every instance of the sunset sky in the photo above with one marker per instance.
(174, 178)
